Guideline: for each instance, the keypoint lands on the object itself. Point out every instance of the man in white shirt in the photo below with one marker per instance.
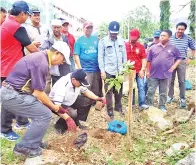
(36, 31)
(72, 94)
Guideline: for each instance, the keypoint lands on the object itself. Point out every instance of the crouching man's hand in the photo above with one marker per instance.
(102, 99)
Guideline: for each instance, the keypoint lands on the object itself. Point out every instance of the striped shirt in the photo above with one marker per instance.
(183, 44)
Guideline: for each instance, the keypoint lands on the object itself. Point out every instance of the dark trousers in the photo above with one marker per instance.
(109, 96)
(163, 85)
(78, 111)
(6, 119)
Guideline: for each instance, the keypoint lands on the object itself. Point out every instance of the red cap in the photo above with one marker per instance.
(134, 33)
(87, 24)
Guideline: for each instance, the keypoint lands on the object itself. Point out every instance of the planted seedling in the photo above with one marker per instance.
(118, 80)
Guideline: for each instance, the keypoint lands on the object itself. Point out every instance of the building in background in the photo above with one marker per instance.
(51, 11)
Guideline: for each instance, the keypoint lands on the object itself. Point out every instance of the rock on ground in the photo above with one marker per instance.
(188, 160)
(157, 116)
(176, 148)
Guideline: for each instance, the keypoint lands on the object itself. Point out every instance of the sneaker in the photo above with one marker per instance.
(11, 136)
(170, 100)
(182, 103)
(44, 145)
(143, 107)
(31, 153)
(163, 108)
(19, 127)
(111, 114)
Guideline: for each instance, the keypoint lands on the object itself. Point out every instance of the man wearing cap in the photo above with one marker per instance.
(156, 36)
(36, 32)
(136, 52)
(86, 57)
(57, 71)
(70, 38)
(111, 56)
(72, 94)
(23, 94)
(13, 40)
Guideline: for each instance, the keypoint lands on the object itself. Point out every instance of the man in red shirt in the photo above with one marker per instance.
(71, 40)
(136, 52)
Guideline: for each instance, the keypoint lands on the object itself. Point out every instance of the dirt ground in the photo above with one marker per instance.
(103, 147)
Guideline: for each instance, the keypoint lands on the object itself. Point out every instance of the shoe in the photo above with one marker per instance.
(111, 114)
(31, 153)
(82, 127)
(11, 136)
(19, 127)
(143, 107)
(182, 103)
(163, 108)
(169, 100)
(44, 145)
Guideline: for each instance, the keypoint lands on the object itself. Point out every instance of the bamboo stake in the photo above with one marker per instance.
(130, 113)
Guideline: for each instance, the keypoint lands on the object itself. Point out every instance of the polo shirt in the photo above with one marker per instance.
(183, 44)
(63, 91)
(136, 53)
(161, 59)
(87, 50)
(30, 72)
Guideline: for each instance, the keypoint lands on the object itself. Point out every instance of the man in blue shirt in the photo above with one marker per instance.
(86, 57)
(182, 42)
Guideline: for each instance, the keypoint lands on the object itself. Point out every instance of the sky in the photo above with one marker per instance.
(98, 11)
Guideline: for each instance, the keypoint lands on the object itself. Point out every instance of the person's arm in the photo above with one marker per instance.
(192, 46)
(144, 62)
(77, 61)
(42, 96)
(90, 95)
(77, 54)
(124, 53)
(22, 36)
(101, 53)
(178, 59)
(148, 65)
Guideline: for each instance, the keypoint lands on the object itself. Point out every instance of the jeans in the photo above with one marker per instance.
(153, 83)
(141, 89)
(181, 72)
(72, 67)
(28, 106)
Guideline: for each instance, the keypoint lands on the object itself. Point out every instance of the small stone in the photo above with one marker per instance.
(188, 160)
(182, 116)
(34, 161)
(176, 148)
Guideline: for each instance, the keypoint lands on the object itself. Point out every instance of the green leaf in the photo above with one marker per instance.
(111, 85)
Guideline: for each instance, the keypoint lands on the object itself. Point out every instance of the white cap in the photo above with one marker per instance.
(64, 49)
(56, 22)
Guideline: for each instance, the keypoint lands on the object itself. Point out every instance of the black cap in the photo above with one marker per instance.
(114, 27)
(80, 75)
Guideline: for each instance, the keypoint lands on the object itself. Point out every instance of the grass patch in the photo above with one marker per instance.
(192, 62)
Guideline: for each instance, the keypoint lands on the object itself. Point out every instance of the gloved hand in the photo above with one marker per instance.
(102, 99)
(71, 126)
(63, 110)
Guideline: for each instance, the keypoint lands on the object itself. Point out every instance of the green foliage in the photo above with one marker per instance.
(118, 80)
(103, 29)
(192, 19)
(164, 14)
(140, 18)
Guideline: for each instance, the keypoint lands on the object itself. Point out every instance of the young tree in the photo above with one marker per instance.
(164, 14)
(192, 18)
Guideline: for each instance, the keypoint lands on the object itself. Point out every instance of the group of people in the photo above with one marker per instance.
(39, 75)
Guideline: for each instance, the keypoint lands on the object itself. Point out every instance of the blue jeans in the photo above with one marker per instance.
(141, 89)
(72, 67)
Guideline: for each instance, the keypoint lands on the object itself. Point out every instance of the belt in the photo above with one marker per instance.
(8, 86)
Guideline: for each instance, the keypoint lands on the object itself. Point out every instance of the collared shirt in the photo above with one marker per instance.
(30, 72)
(162, 58)
(136, 53)
(183, 44)
(111, 55)
(63, 91)
(71, 41)
(87, 50)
